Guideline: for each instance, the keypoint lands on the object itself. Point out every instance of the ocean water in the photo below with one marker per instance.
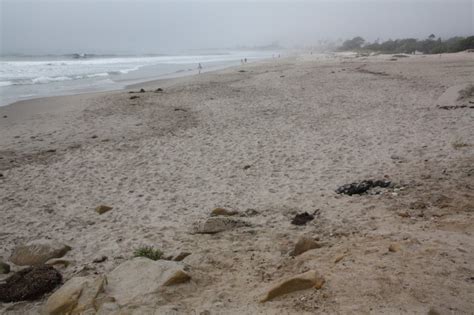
(25, 77)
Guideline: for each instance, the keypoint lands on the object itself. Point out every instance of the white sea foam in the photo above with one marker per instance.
(44, 80)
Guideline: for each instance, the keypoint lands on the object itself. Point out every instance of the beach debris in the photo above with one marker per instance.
(99, 260)
(5, 116)
(302, 218)
(1, 174)
(76, 296)
(141, 91)
(303, 245)
(361, 187)
(94, 137)
(222, 212)
(242, 71)
(250, 212)
(455, 107)
(29, 284)
(246, 167)
(51, 151)
(433, 311)
(134, 279)
(38, 252)
(180, 109)
(134, 97)
(103, 209)
(362, 70)
(307, 280)
(394, 247)
(158, 90)
(181, 256)
(4, 267)
(218, 224)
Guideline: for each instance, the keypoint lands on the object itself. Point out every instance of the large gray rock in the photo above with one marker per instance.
(38, 252)
(138, 280)
(218, 224)
(77, 296)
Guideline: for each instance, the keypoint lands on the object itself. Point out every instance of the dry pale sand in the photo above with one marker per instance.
(303, 126)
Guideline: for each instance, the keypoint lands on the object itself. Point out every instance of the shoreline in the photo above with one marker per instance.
(135, 82)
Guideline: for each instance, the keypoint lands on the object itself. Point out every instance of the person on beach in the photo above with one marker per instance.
(199, 68)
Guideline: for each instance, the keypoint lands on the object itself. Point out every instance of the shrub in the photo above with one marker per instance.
(148, 252)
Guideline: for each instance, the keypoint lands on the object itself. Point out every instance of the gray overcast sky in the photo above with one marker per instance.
(131, 26)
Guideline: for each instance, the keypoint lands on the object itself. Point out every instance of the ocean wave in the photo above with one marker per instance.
(124, 71)
(44, 80)
(97, 75)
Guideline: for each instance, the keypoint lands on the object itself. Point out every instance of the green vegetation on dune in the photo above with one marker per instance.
(431, 45)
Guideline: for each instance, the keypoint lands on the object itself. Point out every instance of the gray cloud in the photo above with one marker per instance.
(108, 26)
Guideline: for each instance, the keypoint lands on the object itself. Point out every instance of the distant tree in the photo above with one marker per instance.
(353, 44)
(410, 45)
(466, 43)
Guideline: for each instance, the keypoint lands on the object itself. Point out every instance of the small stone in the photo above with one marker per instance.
(142, 91)
(94, 137)
(29, 284)
(134, 97)
(158, 90)
(222, 212)
(307, 280)
(394, 247)
(38, 252)
(5, 116)
(181, 256)
(99, 260)
(404, 214)
(4, 267)
(246, 167)
(433, 311)
(103, 209)
(218, 224)
(304, 244)
(339, 258)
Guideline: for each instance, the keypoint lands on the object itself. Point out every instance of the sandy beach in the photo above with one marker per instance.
(268, 140)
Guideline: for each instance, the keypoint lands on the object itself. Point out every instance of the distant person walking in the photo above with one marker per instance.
(199, 68)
